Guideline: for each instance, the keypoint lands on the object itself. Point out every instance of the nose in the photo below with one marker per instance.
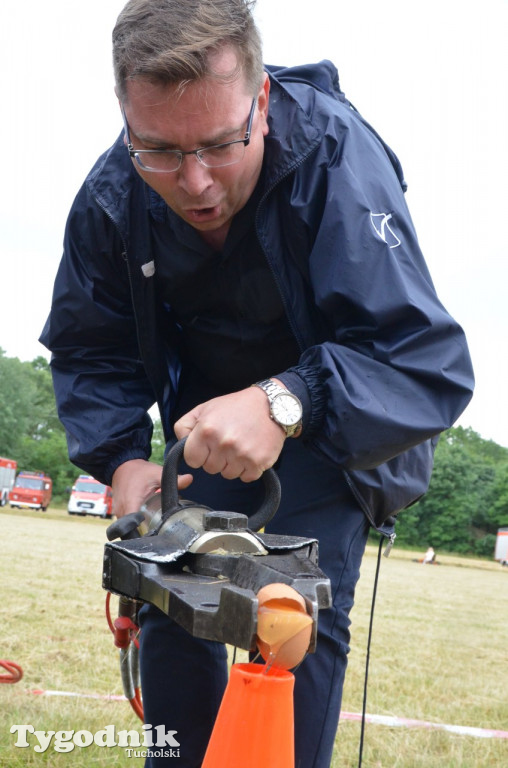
(193, 177)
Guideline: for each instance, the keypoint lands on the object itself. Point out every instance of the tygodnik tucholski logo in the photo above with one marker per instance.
(151, 742)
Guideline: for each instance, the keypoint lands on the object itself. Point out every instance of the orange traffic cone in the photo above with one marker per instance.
(255, 723)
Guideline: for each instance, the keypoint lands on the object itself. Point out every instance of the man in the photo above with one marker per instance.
(248, 227)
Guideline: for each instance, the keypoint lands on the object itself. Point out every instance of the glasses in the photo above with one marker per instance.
(170, 160)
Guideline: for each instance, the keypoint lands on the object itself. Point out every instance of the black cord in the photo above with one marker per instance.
(364, 707)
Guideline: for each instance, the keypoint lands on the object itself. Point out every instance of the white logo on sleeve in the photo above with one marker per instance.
(381, 227)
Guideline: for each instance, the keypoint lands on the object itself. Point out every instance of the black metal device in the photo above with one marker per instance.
(204, 567)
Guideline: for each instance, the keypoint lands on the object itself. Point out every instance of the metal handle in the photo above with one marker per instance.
(169, 489)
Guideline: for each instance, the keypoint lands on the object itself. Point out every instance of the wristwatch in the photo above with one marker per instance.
(285, 408)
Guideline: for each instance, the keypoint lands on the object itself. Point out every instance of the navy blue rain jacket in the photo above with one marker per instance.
(394, 370)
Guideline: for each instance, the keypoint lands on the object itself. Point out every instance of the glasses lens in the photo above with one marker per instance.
(163, 162)
(167, 161)
(222, 154)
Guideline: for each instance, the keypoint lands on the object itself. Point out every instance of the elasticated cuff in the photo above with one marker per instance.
(305, 382)
(136, 452)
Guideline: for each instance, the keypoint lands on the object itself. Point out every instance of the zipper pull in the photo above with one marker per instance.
(389, 544)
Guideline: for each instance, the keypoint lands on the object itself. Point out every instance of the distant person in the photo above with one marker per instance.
(429, 556)
(248, 227)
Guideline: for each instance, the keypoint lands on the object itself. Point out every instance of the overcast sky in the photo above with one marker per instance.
(431, 77)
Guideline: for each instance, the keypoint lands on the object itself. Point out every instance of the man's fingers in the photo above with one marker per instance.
(132, 483)
(184, 481)
(196, 451)
(246, 471)
(231, 435)
(184, 426)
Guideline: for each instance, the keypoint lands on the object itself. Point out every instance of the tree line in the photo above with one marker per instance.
(466, 503)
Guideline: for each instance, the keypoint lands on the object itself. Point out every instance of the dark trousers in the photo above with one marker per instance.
(183, 678)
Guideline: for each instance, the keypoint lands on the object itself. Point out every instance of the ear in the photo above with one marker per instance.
(263, 102)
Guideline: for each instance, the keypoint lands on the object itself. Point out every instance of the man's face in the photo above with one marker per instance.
(205, 113)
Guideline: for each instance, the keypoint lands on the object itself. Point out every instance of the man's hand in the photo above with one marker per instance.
(232, 435)
(134, 481)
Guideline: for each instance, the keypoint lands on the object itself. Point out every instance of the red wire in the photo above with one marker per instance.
(14, 670)
(108, 612)
(134, 629)
(136, 703)
(137, 706)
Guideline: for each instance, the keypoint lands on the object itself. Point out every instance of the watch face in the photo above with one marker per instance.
(286, 410)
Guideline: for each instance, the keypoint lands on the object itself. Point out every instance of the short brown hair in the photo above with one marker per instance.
(171, 42)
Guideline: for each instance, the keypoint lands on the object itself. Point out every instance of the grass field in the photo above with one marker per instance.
(439, 652)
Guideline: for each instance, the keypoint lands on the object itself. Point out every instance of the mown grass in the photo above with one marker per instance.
(439, 651)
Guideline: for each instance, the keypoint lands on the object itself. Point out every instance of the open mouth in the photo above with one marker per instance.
(203, 214)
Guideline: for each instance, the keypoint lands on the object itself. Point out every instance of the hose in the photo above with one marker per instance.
(14, 672)
(126, 634)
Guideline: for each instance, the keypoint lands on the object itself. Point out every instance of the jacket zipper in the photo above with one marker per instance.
(129, 277)
(127, 264)
(275, 276)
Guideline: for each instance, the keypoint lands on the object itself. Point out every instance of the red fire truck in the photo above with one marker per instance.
(31, 489)
(89, 497)
(8, 469)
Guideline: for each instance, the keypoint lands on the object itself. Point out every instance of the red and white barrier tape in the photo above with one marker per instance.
(107, 697)
(462, 730)
(393, 722)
